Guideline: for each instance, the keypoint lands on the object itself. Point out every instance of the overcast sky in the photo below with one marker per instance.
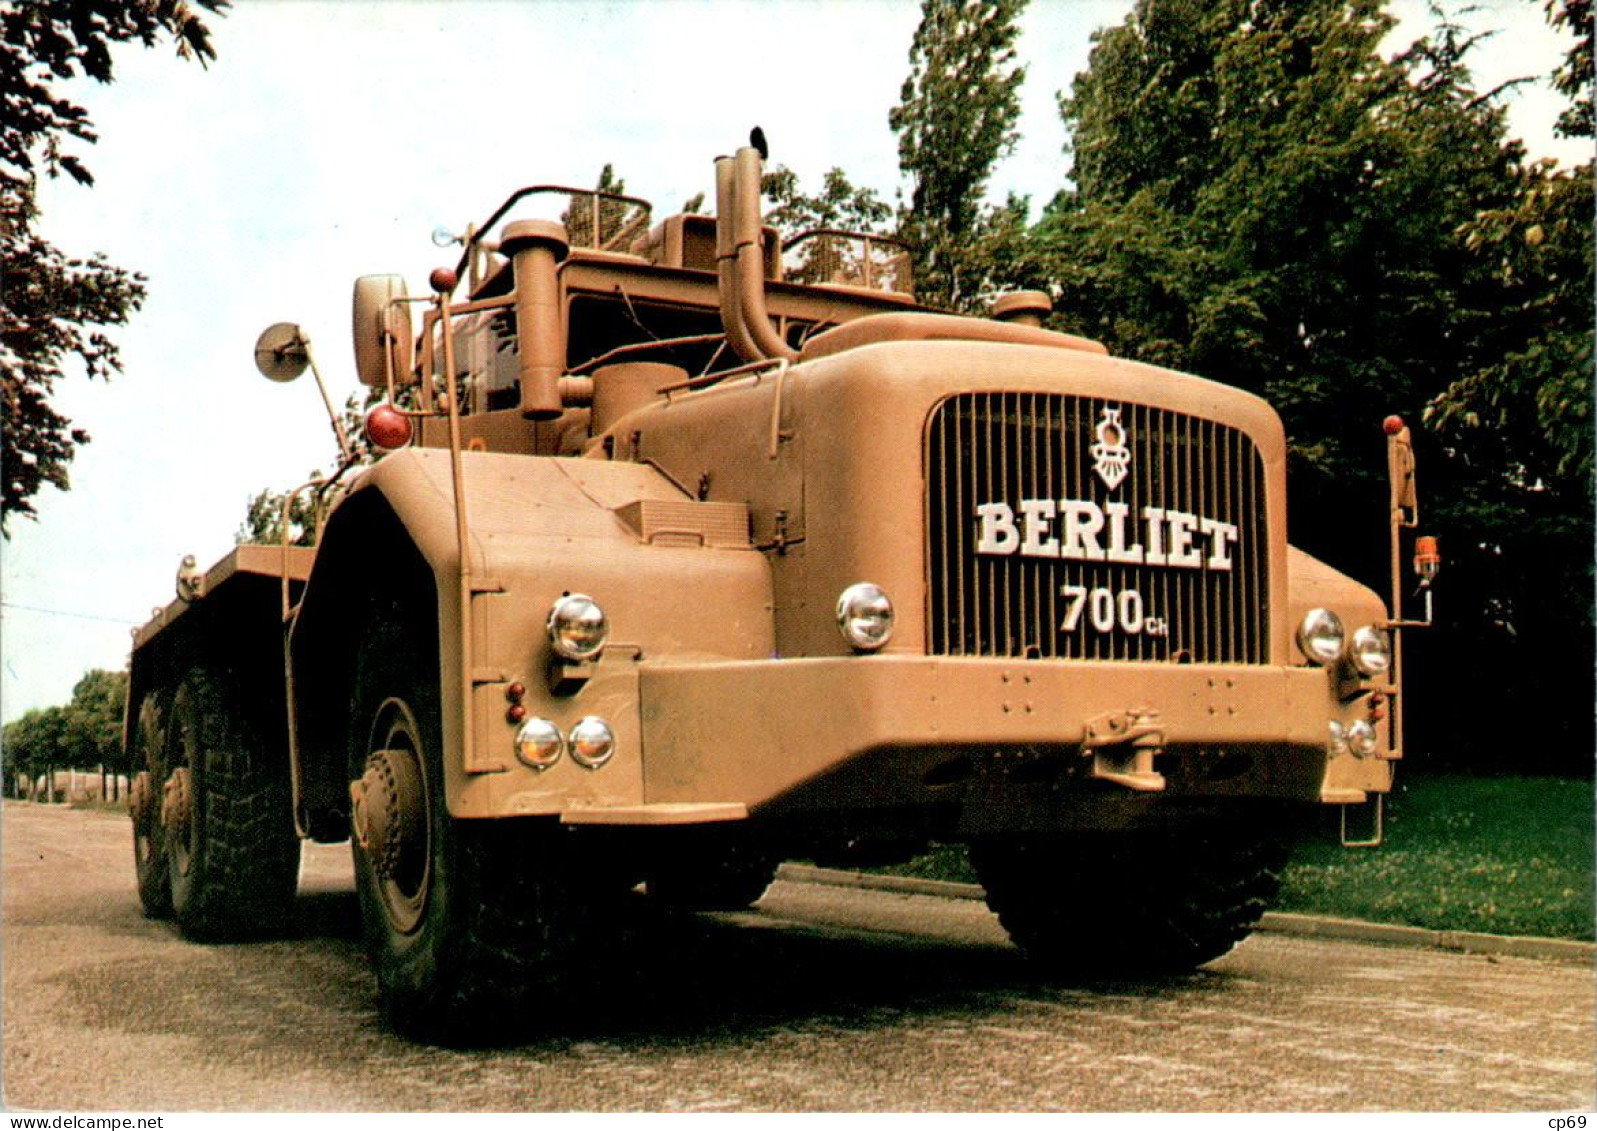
(330, 138)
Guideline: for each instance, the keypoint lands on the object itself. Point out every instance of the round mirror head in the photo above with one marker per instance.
(443, 237)
(280, 352)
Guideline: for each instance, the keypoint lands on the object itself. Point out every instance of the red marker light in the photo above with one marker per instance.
(515, 713)
(1393, 425)
(442, 280)
(387, 428)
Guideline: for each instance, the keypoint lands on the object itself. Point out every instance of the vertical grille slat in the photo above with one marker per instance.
(987, 448)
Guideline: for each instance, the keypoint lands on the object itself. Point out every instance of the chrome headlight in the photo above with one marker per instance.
(577, 627)
(592, 742)
(1338, 743)
(539, 743)
(865, 616)
(1361, 738)
(1320, 636)
(1371, 651)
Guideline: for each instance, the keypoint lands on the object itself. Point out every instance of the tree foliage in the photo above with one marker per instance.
(1574, 78)
(839, 204)
(55, 305)
(85, 734)
(956, 117)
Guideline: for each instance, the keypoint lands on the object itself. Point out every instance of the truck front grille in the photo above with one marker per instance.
(1184, 588)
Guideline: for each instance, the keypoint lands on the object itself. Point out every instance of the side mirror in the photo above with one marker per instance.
(383, 335)
(280, 352)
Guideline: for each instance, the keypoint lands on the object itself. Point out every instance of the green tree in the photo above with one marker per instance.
(956, 117)
(840, 204)
(34, 744)
(1574, 78)
(93, 732)
(55, 305)
(1263, 198)
(85, 734)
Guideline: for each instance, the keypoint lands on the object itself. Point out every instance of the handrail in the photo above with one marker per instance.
(471, 242)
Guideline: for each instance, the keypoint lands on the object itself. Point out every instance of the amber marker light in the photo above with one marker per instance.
(1427, 558)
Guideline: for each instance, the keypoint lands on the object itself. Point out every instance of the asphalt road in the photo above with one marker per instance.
(820, 999)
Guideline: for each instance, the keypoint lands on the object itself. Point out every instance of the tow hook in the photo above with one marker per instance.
(1122, 746)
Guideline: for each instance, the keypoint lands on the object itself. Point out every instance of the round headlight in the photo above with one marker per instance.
(865, 616)
(1338, 743)
(592, 742)
(1371, 651)
(577, 627)
(539, 743)
(1320, 636)
(1361, 738)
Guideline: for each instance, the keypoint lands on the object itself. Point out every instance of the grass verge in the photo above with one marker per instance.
(1504, 856)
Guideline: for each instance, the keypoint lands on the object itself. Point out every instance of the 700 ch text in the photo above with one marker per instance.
(1106, 610)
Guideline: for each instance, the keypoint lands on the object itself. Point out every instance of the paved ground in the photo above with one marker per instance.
(820, 999)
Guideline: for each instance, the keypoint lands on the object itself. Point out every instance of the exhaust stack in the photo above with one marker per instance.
(740, 259)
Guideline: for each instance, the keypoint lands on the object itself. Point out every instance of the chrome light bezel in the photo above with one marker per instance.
(577, 628)
(1371, 651)
(534, 734)
(865, 616)
(1362, 738)
(591, 742)
(1338, 741)
(1321, 637)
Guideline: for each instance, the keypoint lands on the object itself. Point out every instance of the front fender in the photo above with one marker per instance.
(676, 578)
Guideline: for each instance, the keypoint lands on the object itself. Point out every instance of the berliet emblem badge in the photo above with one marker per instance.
(1110, 456)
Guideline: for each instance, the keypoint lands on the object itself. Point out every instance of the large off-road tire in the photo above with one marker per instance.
(469, 923)
(231, 849)
(715, 877)
(144, 806)
(1131, 904)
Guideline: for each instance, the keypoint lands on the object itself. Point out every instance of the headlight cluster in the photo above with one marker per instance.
(540, 744)
(1358, 738)
(1322, 639)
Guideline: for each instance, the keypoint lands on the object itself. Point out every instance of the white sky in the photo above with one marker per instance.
(330, 138)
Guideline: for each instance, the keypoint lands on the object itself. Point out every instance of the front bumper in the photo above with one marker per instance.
(891, 731)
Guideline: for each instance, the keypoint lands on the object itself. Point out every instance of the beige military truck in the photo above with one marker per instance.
(691, 550)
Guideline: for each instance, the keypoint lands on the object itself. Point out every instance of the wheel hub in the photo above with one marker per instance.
(141, 802)
(177, 801)
(391, 813)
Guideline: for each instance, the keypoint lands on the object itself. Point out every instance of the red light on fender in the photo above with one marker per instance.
(387, 428)
(1392, 425)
